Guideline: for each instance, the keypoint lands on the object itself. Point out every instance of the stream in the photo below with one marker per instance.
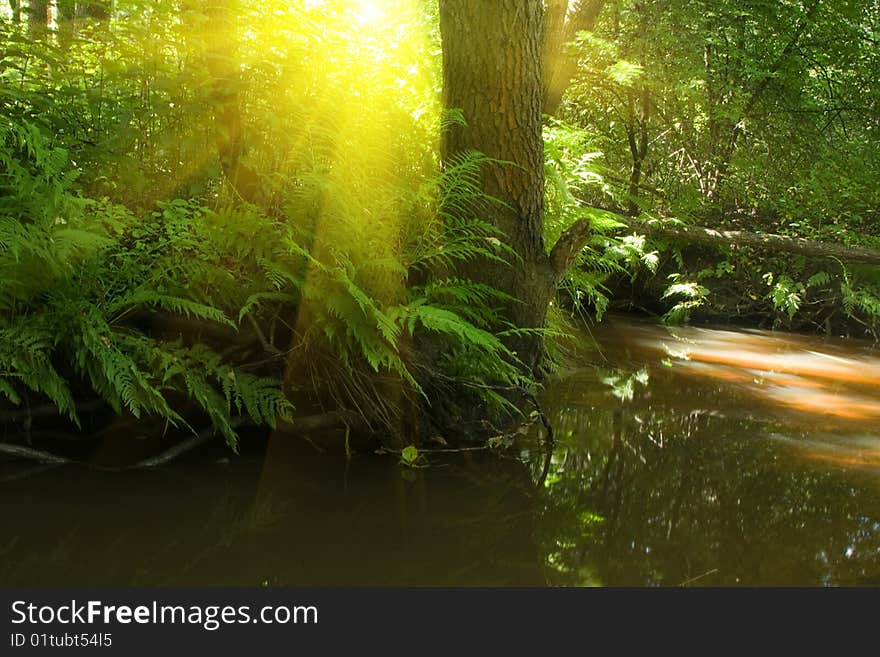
(684, 457)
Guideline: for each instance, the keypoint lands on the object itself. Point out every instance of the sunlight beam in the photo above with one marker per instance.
(370, 13)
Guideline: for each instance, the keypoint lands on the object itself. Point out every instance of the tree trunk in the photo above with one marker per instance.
(94, 9)
(564, 19)
(226, 84)
(38, 17)
(492, 71)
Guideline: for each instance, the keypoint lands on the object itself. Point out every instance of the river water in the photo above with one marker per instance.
(684, 456)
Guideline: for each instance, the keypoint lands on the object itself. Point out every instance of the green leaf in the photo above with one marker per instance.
(409, 455)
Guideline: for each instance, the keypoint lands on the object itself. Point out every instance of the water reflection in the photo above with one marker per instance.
(835, 379)
(684, 457)
(303, 518)
(706, 475)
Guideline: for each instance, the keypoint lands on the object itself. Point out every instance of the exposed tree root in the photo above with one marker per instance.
(550, 441)
(31, 454)
(545, 470)
(300, 426)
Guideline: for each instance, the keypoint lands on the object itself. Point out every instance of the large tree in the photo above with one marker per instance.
(493, 73)
(563, 19)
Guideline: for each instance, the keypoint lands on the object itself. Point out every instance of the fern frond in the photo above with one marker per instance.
(26, 350)
(171, 303)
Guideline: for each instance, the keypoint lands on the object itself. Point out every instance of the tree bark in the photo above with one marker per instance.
(492, 71)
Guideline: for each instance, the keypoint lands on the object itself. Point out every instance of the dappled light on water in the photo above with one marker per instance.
(843, 452)
(824, 394)
(714, 457)
(806, 381)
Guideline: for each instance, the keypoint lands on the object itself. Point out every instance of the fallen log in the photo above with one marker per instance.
(765, 241)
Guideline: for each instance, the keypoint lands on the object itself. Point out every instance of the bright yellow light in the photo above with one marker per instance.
(370, 12)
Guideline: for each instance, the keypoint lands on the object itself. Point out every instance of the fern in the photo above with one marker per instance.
(692, 295)
(171, 303)
(73, 269)
(861, 298)
(353, 258)
(454, 231)
(573, 172)
(26, 359)
(81, 274)
(446, 322)
(819, 279)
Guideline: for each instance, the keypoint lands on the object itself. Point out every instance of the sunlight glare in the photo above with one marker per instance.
(370, 13)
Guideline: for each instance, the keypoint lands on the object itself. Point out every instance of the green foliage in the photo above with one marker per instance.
(574, 173)
(854, 290)
(344, 256)
(862, 298)
(71, 314)
(785, 294)
(74, 269)
(762, 120)
(123, 214)
(410, 455)
(764, 107)
(689, 295)
(860, 292)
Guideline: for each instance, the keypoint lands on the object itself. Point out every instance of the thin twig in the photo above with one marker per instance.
(449, 450)
(694, 579)
(174, 452)
(548, 460)
(267, 346)
(453, 450)
(551, 441)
